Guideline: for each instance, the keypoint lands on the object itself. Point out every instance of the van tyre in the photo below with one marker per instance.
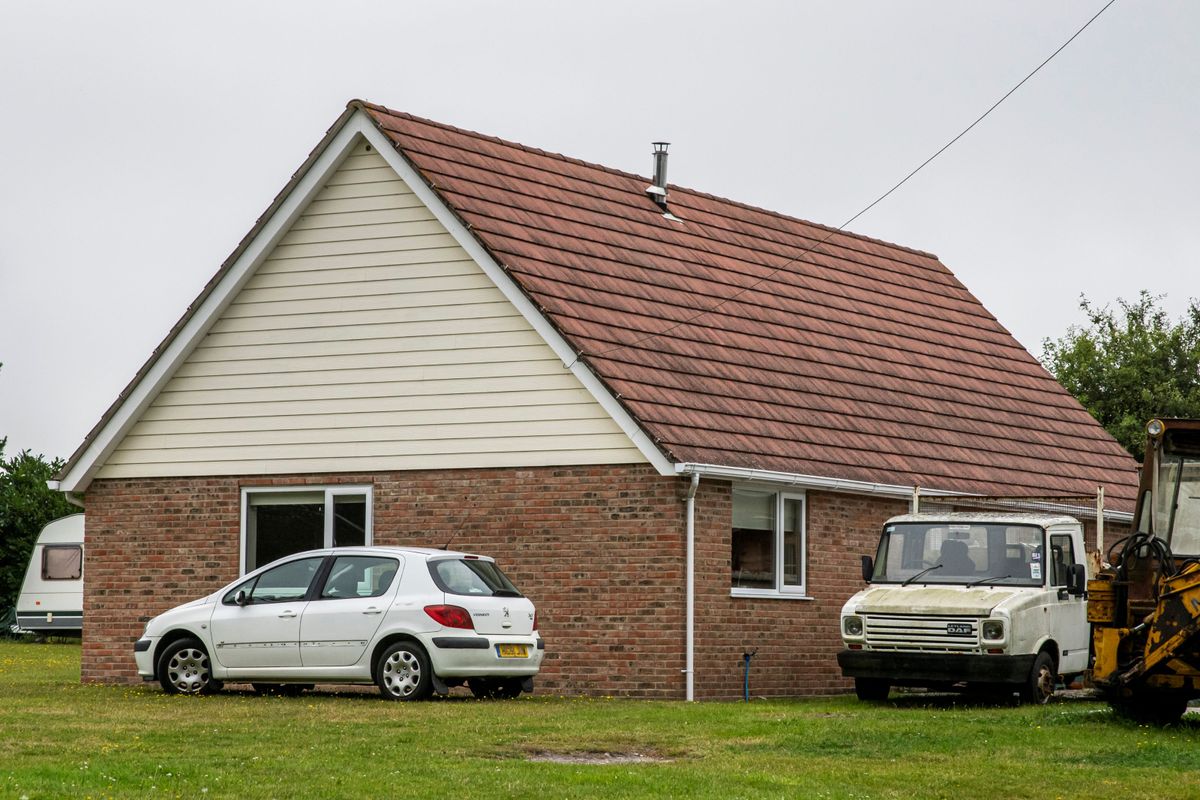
(1039, 688)
(403, 672)
(872, 690)
(184, 668)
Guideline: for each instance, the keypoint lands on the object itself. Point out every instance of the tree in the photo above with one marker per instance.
(1130, 365)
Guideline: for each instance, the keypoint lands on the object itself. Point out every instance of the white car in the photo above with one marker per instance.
(411, 620)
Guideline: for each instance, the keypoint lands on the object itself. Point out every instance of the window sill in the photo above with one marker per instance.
(769, 594)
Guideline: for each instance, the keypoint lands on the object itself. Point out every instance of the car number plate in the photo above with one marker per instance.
(958, 628)
(512, 650)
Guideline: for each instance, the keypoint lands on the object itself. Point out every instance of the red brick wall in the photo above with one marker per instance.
(796, 640)
(598, 549)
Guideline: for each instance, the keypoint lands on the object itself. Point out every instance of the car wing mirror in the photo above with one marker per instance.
(868, 568)
(240, 598)
(1076, 579)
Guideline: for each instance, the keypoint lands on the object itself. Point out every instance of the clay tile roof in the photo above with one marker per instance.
(821, 352)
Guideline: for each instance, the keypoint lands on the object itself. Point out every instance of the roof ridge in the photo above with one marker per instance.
(624, 173)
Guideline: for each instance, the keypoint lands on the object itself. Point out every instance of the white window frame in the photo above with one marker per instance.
(330, 493)
(781, 591)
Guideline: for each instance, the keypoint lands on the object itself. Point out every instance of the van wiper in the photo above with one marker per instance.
(989, 579)
(922, 572)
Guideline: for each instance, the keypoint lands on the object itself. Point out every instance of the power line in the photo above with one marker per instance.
(872, 204)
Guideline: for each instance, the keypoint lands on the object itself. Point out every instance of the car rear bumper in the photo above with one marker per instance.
(920, 668)
(478, 656)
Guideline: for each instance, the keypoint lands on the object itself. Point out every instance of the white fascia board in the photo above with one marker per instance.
(140, 397)
(363, 125)
(818, 482)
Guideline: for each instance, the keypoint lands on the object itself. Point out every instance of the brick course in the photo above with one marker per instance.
(600, 550)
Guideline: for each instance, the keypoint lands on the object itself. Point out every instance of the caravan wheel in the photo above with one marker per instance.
(184, 669)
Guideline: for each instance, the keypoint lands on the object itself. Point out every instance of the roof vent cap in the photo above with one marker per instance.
(658, 189)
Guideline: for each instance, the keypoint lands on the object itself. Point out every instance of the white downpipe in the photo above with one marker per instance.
(691, 587)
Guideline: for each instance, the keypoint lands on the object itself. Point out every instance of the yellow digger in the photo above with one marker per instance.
(1144, 607)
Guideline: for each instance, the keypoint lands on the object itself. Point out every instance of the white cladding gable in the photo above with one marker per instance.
(368, 339)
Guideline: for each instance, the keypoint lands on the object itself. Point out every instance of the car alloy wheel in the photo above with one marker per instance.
(185, 668)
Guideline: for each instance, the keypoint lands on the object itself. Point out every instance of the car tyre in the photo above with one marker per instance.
(184, 668)
(507, 688)
(872, 690)
(403, 672)
(482, 688)
(1039, 688)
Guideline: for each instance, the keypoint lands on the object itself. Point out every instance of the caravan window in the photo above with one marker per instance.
(62, 562)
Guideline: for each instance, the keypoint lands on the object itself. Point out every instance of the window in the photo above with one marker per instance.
(768, 547)
(283, 584)
(62, 562)
(471, 576)
(279, 522)
(359, 576)
(1062, 555)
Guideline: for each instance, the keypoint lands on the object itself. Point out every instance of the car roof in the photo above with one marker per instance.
(428, 553)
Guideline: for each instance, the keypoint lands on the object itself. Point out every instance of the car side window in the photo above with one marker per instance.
(359, 576)
(286, 583)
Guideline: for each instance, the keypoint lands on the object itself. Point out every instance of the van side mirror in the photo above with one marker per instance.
(240, 598)
(1076, 579)
(868, 568)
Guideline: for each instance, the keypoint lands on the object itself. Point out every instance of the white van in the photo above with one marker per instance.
(51, 599)
(969, 601)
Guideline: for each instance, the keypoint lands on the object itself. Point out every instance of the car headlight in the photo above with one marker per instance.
(993, 629)
(852, 626)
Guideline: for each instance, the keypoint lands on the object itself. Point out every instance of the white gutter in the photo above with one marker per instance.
(691, 586)
(838, 484)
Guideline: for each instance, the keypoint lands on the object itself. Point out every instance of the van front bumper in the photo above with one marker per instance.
(919, 668)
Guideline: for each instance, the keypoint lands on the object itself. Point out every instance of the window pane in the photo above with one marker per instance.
(349, 520)
(278, 529)
(1062, 554)
(286, 582)
(359, 576)
(753, 539)
(472, 577)
(793, 542)
(62, 562)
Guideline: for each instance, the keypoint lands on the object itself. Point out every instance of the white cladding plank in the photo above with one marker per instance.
(469, 343)
(530, 414)
(351, 261)
(362, 301)
(385, 286)
(343, 462)
(317, 394)
(283, 413)
(301, 365)
(489, 430)
(367, 376)
(368, 339)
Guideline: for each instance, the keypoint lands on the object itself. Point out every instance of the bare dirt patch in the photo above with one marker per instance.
(592, 757)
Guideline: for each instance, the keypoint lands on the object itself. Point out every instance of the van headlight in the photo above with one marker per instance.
(993, 629)
(852, 626)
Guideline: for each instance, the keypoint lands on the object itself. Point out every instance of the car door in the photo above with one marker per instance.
(340, 621)
(264, 632)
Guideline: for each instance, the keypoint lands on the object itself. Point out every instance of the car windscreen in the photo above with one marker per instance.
(961, 553)
(471, 576)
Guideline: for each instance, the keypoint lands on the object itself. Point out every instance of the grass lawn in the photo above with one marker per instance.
(59, 738)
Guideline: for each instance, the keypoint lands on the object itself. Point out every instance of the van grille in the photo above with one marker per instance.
(920, 634)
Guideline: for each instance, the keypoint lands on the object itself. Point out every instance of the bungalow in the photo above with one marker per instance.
(675, 419)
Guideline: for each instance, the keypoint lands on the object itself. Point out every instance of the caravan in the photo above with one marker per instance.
(51, 599)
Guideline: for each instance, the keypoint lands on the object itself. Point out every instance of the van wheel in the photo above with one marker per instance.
(872, 690)
(403, 672)
(183, 668)
(1040, 686)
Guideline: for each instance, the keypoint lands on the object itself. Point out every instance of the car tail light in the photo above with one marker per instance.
(451, 616)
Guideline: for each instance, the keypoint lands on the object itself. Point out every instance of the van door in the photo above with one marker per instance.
(1067, 613)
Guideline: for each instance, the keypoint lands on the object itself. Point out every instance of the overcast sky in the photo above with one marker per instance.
(140, 141)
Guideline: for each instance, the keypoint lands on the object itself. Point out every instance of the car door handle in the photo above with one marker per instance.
(373, 610)
(287, 615)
